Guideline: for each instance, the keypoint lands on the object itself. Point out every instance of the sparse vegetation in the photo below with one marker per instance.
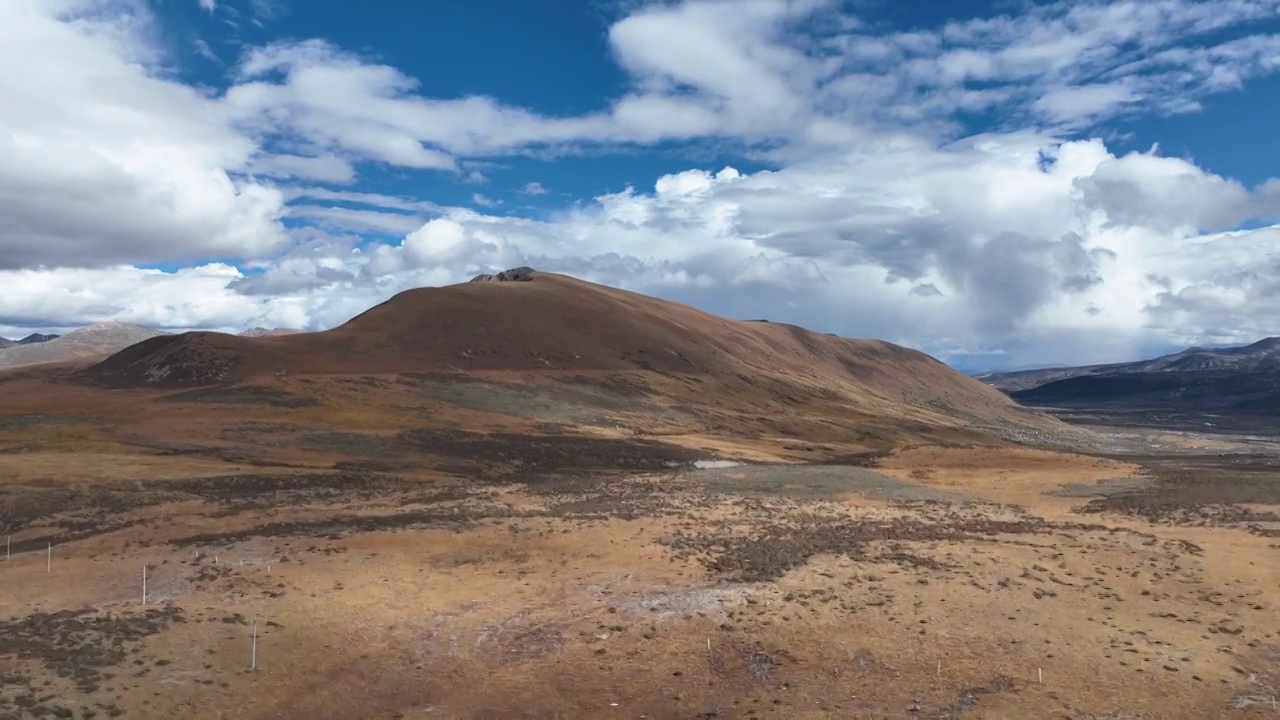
(483, 544)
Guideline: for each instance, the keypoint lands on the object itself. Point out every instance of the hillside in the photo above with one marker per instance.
(32, 339)
(1243, 380)
(1262, 355)
(552, 326)
(87, 342)
(1246, 391)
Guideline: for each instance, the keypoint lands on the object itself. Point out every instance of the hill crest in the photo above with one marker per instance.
(553, 325)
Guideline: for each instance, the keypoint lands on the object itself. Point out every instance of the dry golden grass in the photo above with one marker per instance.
(1017, 475)
(523, 619)
(395, 576)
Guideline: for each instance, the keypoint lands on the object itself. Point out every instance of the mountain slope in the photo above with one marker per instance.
(1243, 380)
(87, 342)
(1251, 391)
(554, 325)
(1262, 355)
(31, 339)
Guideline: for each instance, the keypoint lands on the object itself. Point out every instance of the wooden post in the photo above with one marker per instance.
(8, 544)
(48, 558)
(144, 582)
(253, 647)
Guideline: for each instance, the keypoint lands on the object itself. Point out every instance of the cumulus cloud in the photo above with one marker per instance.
(882, 213)
(101, 161)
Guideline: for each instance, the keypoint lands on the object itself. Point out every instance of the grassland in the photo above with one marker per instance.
(405, 547)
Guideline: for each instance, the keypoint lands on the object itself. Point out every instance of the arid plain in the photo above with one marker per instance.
(805, 539)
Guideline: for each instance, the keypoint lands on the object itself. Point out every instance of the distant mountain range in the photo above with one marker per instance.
(1242, 380)
(31, 339)
(87, 342)
(92, 341)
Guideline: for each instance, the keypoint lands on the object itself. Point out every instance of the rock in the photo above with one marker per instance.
(519, 274)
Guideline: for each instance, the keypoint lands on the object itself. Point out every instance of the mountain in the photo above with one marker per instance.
(269, 332)
(1243, 380)
(526, 324)
(1260, 355)
(87, 342)
(31, 339)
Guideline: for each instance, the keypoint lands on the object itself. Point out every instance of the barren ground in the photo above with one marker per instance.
(402, 557)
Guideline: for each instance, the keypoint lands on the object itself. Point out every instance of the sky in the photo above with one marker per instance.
(1000, 184)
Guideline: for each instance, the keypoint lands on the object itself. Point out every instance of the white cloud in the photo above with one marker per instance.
(881, 218)
(193, 297)
(208, 5)
(357, 220)
(378, 200)
(203, 50)
(322, 168)
(102, 161)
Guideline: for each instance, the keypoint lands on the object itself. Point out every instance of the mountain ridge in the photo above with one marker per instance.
(1239, 379)
(1263, 352)
(86, 342)
(549, 325)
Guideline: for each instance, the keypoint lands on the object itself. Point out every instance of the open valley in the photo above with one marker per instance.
(315, 550)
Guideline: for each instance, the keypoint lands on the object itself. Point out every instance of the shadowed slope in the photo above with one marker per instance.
(1241, 380)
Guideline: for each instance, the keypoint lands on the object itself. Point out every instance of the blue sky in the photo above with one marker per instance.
(554, 58)
(549, 57)
(996, 183)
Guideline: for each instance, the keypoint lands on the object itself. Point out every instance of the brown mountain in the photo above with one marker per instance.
(87, 342)
(6, 342)
(552, 326)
